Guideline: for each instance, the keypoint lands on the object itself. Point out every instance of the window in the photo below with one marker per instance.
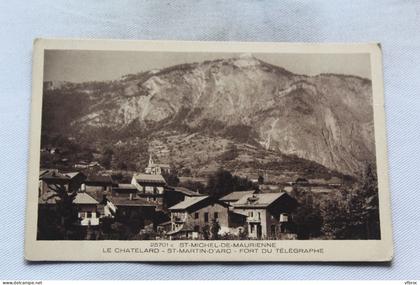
(206, 217)
(259, 216)
(196, 216)
(89, 214)
(197, 228)
(148, 189)
(251, 214)
(284, 218)
(216, 215)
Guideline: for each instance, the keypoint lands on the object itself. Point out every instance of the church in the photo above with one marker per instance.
(157, 168)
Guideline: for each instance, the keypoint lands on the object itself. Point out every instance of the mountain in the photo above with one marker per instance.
(325, 118)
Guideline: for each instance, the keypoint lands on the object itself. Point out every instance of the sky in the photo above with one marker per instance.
(82, 65)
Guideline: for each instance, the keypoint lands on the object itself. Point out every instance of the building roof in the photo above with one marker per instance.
(81, 198)
(235, 196)
(102, 179)
(72, 174)
(317, 181)
(335, 180)
(185, 191)
(154, 178)
(84, 198)
(124, 186)
(48, 198)
(257, 200)
(54, 174)
(188, 202)
(302, 180)
(233, 212)
(134, 202)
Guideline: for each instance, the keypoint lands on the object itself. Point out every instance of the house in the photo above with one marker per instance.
(157, 168)
(81, 165)
(98, 185)
(194, 217)
(132, 210)
(150, 187)
(267, 213)
(88, 165)
(51, 182)
(335, 182)
(317, 181)
(322, 189)
(50, 179)
(86, 206)
(288, 189)
(175, 195)
(301, 181)
(124, 190)
(235, 196)
(270, 188)
(100, 182)
(87, 209)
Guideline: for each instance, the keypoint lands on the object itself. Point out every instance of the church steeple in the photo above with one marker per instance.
(150, 161)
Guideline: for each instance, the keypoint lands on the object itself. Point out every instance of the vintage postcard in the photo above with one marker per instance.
(207, 151)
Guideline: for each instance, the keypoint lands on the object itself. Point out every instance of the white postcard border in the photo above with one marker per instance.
(284, 250)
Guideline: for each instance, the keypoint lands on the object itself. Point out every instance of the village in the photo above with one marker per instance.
(150, 208)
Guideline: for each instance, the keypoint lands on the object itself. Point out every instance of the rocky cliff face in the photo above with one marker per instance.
(325, 118)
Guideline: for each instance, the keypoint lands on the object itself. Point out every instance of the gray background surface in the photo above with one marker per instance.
(396, 24)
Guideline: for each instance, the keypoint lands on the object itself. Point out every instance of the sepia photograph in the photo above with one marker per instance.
(207, 140)
(173, 145)
(150, 145)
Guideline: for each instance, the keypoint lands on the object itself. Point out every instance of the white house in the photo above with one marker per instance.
(87, 209)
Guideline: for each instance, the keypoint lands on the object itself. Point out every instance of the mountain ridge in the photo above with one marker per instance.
(326, 118)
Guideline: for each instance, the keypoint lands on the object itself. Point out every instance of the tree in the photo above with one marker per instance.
(193, 185)
(307, 217)
(242, 184)
(171, 179)
(215, 228)
(335, 216)
(260, 179)
(243, 232)
(206, 232)
(60, 220)
(222, 182)
(219, 183)
(363, 206)
(354, 214)
(186, 172)
(369, 189)
(107, 157)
